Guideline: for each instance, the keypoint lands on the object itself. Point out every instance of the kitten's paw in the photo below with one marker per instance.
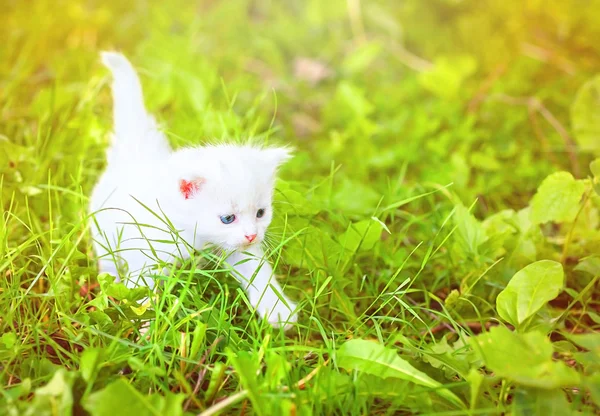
(280, 315)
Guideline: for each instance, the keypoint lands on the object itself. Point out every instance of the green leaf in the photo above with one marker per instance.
(13, 393)
(589, 265)
(475, 379)
(312, 249)
(216, 380)
(530, 289)
(452, 358)
(278, 369)
(469, 234)
(89, 362)
(585, 116)
(540, 402)
(139, 311)
(523, 358)
(592, 384)
(198, 339)
(290, 200)
(120, 398)
(452, 298)
(247, 368)
(589, 341)
(345, 198)
(557, 199)
(362, 235)
(9, 339)
(118, 290)
(375, 359)
(100, 318)
(56, 397)
(145, 367)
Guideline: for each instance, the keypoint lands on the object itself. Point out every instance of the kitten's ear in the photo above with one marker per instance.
(189, 188)
(276, 156)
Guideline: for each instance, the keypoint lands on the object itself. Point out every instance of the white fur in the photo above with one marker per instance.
(143, 170)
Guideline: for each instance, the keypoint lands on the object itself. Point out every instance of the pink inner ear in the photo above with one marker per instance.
(189, 188)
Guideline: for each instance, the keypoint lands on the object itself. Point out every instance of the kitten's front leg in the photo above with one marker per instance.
(264, 293)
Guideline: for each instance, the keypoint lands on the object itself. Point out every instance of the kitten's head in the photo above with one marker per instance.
(222, 194)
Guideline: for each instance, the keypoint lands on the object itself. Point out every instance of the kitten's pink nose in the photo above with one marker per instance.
(250, 237)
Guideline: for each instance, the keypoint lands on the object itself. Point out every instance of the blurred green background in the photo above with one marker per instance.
(420, 84)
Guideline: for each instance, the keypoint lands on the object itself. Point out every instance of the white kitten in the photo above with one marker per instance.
(217, 194)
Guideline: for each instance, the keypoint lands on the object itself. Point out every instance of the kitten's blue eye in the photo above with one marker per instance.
(260, 213)
(227, 219)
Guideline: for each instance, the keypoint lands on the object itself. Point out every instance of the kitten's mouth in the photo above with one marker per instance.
(247, 244)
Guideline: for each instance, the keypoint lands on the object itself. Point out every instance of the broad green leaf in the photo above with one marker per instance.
(118, 290)
(9, 339)
(557, 199)
(345, 197)
(313, 248)
(247, 369)
(332, 386)
(331, 383)
(362, 235)
(100, 318)
(90, 359)
(198, 339)
(452, 298)
(589, 341)
(589, 265)
(589, 361)
(530, 289)
(40, 366)
(594, 317)
(56, 397)
(278, 369)
(121, 292)
(292, 202)
(13, 393)
(523, 358)
(121, 398)
(139, 311)
(592, 384)
(469, 234)
(512, 236)
(144, 367)
(475, 379)
(540, 402)
(453, 359)
(217, 375)
(585, 116)
(375, 359)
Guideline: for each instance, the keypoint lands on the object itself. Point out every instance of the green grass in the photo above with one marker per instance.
(423, 138)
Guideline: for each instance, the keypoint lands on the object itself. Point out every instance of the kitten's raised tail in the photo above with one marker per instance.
(135, 130)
